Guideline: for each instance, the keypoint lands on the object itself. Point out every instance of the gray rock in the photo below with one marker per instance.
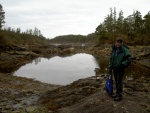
(8, 108)
(18, 100)
(17, 106)
(50, 111)
(2, 104)
(30, 109)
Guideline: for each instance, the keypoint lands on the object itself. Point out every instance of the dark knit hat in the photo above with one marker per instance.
(119, 39)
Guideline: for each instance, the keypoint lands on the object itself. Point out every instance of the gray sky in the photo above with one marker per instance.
(62, 17)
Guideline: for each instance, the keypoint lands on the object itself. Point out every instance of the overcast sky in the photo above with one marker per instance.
(62, 17)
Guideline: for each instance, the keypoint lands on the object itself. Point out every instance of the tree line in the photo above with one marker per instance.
(11, 36)
(35, 32)
(15, 36)
(134, 29)
(74, 39)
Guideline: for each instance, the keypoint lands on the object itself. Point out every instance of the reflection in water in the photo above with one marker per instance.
(60, 69)
(37, 61)
(103, 64)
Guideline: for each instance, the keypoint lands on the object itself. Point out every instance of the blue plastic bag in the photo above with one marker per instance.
(109, 85)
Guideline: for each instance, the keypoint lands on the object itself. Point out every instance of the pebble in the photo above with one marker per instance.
(2, 104)
(30, 109)
(115, 105)
(8, 108)
(18, 100)
(17, 106)
(4, 100)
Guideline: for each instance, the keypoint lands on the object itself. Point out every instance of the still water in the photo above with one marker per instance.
(60, 69)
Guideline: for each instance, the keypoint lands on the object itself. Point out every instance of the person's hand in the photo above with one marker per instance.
(122, 65)
(110, 70)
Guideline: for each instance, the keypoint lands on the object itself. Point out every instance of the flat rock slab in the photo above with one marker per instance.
(88, 96)
(102, 103)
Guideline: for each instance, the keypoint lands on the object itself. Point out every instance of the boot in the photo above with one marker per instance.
(114, 96)
(118, 98)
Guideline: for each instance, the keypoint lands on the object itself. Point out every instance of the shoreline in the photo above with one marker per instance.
(18, 94)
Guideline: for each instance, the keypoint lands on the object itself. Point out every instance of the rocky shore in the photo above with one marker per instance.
(140, 54)
(88, 96)
(22, 95)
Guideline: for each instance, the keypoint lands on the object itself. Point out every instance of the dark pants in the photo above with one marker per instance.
(118, 75)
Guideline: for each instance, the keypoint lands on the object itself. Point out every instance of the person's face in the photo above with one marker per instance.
(118, 44)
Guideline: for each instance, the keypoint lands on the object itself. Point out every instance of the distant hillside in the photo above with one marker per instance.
(74, 39)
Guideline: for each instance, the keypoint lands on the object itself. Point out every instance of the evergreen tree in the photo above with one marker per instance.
(2, 16)
(30, 32)
(36, 31)
(137, 23)
(120, 22)
(18, 30)
(146, 22)
(114, 22)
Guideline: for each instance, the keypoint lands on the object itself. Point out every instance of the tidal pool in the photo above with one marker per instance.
(60, 69)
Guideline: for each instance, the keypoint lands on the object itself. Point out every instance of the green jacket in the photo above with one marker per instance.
(122, 59)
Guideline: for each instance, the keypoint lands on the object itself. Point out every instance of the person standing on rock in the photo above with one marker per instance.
(119, 60)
